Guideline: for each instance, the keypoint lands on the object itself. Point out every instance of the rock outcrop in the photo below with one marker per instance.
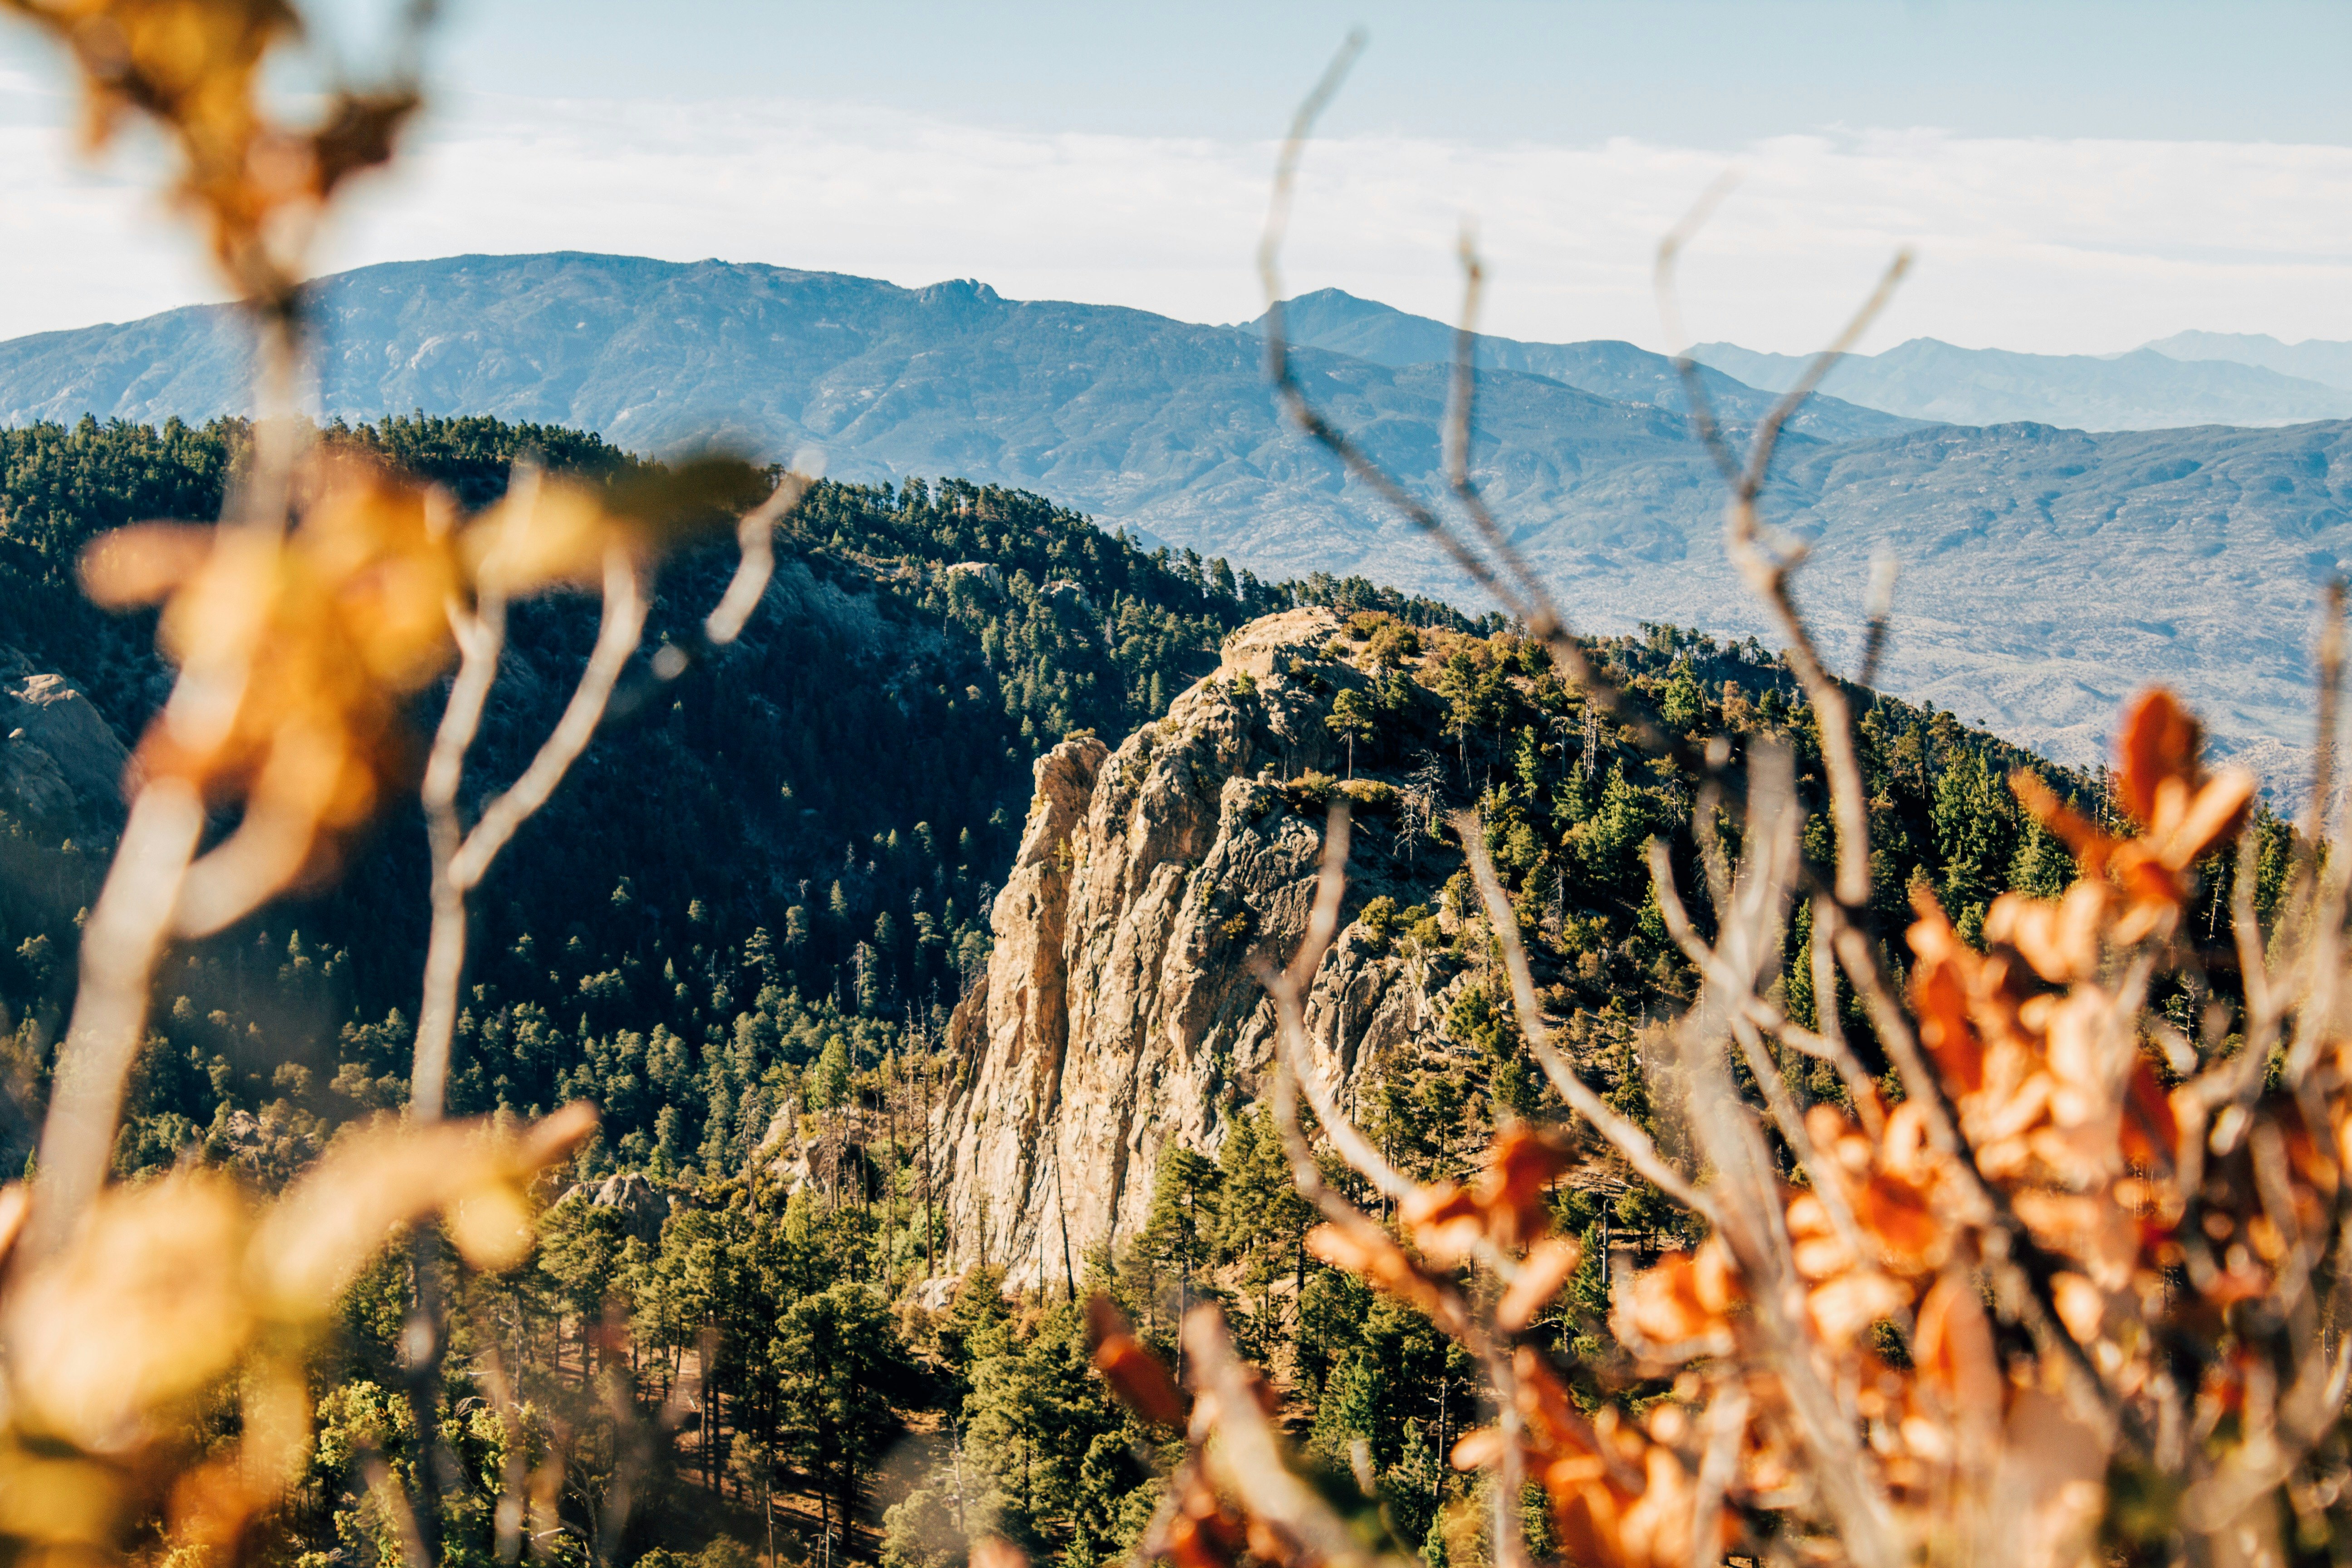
(641, 1205)
(1120, 1013)
(60, 765)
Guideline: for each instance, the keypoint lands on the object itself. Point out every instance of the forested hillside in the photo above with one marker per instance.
(815, 817)
(740, 927)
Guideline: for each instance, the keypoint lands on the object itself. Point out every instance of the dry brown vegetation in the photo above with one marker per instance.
(2064, 1284)
(331, 593)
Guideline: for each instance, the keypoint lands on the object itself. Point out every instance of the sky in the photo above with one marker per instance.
(2075, 176)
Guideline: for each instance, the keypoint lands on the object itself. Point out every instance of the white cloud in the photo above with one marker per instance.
(2056, 246)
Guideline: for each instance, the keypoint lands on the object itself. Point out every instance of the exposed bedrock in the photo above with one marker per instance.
(1120, 1013)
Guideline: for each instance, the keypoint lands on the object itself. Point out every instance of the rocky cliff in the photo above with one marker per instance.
(1119, 1014)
(60, 765)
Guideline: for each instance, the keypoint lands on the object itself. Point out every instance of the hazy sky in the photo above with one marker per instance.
(2076, 177)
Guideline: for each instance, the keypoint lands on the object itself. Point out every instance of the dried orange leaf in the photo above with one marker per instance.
(1681, 1300)
(1546, 1269)
(2158, 743)
(145, 1308)
(1134, 1374)
(1479, 1448)
(1367, 1252)
(551, 533)
(995, 1552)
(338, 1215)
(138, 565)
(1842, 1308)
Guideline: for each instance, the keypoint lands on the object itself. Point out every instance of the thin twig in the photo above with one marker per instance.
(481, 636)
(755, 538)
(621, 624)
(1719, 972)
(1878, 608)
(1622, 1134)
(1517, 589)
(1831, 1028)
(1289, 990)
(1253, 1466)
(1726, 1423)
(122, 942)
(616, 639)
(1768, 572)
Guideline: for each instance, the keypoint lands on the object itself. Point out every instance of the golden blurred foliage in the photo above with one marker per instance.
(193, 66)
(176, 1287)
(299, 652)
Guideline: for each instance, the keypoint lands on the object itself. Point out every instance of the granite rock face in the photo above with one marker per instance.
(641, 1206)
(1119, 1014)
(60, 765)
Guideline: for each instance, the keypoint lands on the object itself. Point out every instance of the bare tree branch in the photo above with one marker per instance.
(121, 945)
(1878, 608)
(1289, 990)
(1622, 1134)
(1518, 590)
(755, 538)
(470, 861)
(1767, 571)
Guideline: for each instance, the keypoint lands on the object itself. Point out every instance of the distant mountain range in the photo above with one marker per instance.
(2150, 388)
(2328, 364)
(2045, 571)
(1368, 330)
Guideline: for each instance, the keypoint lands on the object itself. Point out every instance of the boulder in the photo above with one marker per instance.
(984, 573)
(643, 1206)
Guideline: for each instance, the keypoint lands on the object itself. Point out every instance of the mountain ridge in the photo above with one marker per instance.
(1927, 379)
(1343, 323)
(2191, 555)
(2321, 360)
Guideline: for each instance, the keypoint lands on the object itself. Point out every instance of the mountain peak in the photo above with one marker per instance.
(955, 290)
(1312, 317)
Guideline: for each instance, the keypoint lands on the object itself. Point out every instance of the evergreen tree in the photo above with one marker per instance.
(1351, 720)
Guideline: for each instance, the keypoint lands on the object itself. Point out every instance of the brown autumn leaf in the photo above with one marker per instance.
(298, 654)
(147, 1307)
(193, 68)
(2059, 942)
(2157, 744)
(330, 1222)
(1366, 1252)
(1503, 1207)
(2182, 814)
(1952, 1346)
(1548, 1267)
(995, 1552)
(1840, 1308)
(1134, 1374)
(1939, 1000)
(179, 1287)
(552, 532)
(1683, 1300)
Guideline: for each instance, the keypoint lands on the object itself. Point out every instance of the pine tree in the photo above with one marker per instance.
(839, 1369)
(1351, 720)
(1174, 1237)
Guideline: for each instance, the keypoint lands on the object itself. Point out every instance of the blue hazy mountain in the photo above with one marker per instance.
(2142, 390)
(1366, 329)
(2314, 359)
(2045, 571)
